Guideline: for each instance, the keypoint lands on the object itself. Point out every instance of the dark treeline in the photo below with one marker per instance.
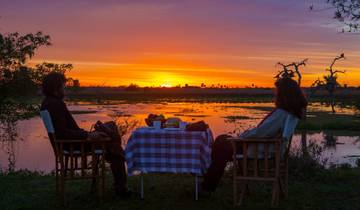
(19, 82)
(115, 93)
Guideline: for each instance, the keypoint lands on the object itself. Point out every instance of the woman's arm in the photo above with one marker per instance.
(271, 127)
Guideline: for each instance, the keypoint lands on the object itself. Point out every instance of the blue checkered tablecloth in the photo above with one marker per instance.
(152, 151)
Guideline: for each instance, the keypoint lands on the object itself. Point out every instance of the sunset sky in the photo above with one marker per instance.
(171, 42)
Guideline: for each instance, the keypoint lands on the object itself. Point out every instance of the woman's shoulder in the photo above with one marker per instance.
(280, 111)
(283, 112)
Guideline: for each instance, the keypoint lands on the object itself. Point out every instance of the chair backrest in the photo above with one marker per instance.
(289, 129)
(260, 158)
(46, 118)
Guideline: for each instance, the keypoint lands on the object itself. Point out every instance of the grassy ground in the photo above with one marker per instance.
(326, 189)
(329, 121)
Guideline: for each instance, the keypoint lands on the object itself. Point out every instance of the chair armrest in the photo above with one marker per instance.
(71, 141)
(254, 140)
(74, 144)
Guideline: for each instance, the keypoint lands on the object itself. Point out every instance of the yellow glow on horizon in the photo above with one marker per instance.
(166, 85)
(166, 79)
(161, 71)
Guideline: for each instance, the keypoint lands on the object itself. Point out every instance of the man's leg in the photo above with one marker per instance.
(221, 154)
(117, 165)
(115, 155)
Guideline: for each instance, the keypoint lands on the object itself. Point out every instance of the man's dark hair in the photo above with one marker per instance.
(52, 82)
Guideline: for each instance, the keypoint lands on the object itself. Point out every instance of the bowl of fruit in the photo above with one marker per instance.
(154, 117)
(172, 122)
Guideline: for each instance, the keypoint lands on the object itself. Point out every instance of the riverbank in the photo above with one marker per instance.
(321, 120)
(330, 121)
(323, 189)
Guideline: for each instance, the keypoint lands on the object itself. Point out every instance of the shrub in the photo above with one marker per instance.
(306, 162)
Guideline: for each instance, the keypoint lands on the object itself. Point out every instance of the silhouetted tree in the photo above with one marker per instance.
(17, 79)
(132, 87)
(287, 72)
(76, 83)
(346, 12)
(73, 84)
(316, 85)
(16, 49)
(330, 82)
(43, 69)
(15, 76)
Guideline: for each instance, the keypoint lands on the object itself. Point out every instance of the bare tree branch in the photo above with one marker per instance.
(289, 73)
(341, 56)
(338, 71)
(347, 12)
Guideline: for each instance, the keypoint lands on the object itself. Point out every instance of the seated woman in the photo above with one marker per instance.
(289, 99)
(66, 128)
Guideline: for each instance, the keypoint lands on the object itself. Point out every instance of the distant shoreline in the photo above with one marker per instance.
(195, 94)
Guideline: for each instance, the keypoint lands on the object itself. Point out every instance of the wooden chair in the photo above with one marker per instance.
(262, 160)
(76, 159)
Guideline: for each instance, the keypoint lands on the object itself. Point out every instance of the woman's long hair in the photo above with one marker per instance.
(290, 97)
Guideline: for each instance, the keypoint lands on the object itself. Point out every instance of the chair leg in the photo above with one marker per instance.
(102, 187)
(275, 194)
(95, 180)
(66, 165)
(247, 190)
(101, 177)
(235, 192)
(243, 192)
(283, 189)
(196, 187)
(240, 192)
(141, 186)
(56, 184)
(235, 185)
(93, 185)
(286, 183)
(62, 191)
(61, 180)
(56, 177)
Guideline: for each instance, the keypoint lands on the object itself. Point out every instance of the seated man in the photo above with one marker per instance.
(66, 128)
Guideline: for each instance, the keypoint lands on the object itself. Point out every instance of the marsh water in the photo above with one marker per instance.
(31, 149)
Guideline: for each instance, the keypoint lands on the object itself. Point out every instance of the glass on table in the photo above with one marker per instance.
(157, 124)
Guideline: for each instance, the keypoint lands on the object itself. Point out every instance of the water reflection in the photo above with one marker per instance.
(330, 139)
(337, 147)
(35, 153)
(304, 143)
(8, 137)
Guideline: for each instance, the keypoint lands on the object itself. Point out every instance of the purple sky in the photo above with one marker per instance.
(176, 42)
